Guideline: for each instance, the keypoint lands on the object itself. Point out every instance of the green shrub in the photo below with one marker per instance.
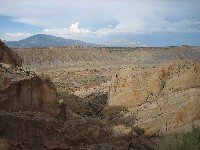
(185, 141)
(3, 144)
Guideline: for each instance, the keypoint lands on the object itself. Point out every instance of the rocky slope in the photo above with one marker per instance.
(8, 56)
(161, 99)
(90, 56)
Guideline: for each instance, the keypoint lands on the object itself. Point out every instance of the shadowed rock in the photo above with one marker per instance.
(7, 56)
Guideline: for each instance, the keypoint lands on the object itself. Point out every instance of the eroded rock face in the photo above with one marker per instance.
(163, 99)
(28, 106)
(22, 89)
(7, 56)
(28, 109)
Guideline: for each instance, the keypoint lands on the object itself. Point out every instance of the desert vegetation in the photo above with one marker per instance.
(182, 141)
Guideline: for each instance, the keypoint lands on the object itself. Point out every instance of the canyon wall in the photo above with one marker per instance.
(79, 55)
(162, 99)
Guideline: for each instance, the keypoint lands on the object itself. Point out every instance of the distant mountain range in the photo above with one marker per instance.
(123, 43)
(43, 40)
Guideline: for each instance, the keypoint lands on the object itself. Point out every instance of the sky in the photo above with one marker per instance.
(150, 22)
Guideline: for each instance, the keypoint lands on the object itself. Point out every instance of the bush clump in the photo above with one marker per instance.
(184, 141)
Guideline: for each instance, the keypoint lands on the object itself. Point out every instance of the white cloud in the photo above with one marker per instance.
(28, 21)
(16, 36)
(73, 31)
(126, 25)
(74, 28)
(153, 24)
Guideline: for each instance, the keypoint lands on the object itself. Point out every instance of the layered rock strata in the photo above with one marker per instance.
(50, 57)
(161, 99)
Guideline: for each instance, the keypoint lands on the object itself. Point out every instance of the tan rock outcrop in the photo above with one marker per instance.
(163, 98)
(22, 89)
(28, 109)
(28, 106)
(7, 56)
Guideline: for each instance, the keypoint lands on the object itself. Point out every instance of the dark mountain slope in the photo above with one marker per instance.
(43, 40)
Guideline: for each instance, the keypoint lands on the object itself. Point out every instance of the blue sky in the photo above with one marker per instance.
(151, 22)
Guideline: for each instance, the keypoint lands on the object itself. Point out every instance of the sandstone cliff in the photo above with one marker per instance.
(22, 89)
(28, 105)
(162, 98)
(8, 56)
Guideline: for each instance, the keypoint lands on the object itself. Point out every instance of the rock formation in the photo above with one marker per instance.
(162, 99)
(8, 56)
(28, 104)
(22, 89)
(28, 109)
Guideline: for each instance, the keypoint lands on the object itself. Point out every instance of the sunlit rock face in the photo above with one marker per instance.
(161, 98)
(22, 89)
